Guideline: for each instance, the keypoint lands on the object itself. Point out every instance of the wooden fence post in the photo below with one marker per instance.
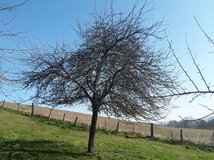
(32, 109)
(75, 123)
(172, 135)
(213, 136)
(63, 119)
(49, 116)
(118, 125)
(181, 135)
(3, 103)
(152, 130)
(105, 125)
(133, 128)
(18, 107)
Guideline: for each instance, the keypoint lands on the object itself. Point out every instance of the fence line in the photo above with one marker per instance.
(144, 129)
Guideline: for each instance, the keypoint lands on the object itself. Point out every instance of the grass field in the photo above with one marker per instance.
(164, 132)
(26, 138)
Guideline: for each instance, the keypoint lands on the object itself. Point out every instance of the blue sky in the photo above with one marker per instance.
(49, 21)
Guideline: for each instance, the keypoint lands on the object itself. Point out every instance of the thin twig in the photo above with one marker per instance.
(197, 66)
(181, 66)
(208, 37)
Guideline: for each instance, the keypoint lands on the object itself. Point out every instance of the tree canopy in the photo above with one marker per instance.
(116, 68)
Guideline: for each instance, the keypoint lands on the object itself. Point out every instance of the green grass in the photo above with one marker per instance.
(194, 135)
(26, 138)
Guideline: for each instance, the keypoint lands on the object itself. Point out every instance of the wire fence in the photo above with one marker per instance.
(145, 129)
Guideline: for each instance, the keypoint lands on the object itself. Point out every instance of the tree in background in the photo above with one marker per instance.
(116, 69)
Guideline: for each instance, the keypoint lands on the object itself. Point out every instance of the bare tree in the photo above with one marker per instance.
(5, 31)
(116, 69)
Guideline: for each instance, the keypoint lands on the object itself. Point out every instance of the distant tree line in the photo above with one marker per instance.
(200, 124)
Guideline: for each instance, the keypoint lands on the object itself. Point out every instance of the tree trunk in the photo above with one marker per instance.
(93, 130)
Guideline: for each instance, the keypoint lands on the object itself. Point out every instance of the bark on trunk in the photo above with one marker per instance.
(93, 130)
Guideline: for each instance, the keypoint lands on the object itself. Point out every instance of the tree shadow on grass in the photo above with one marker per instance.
(36, 149)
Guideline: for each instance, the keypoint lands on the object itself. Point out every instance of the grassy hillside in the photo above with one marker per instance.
(164, 132)
(22, 137)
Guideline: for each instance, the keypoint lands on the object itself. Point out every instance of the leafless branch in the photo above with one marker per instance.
(181, 66)
(207, 36)
(6, 7)
(197, 66)
(203, 117)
